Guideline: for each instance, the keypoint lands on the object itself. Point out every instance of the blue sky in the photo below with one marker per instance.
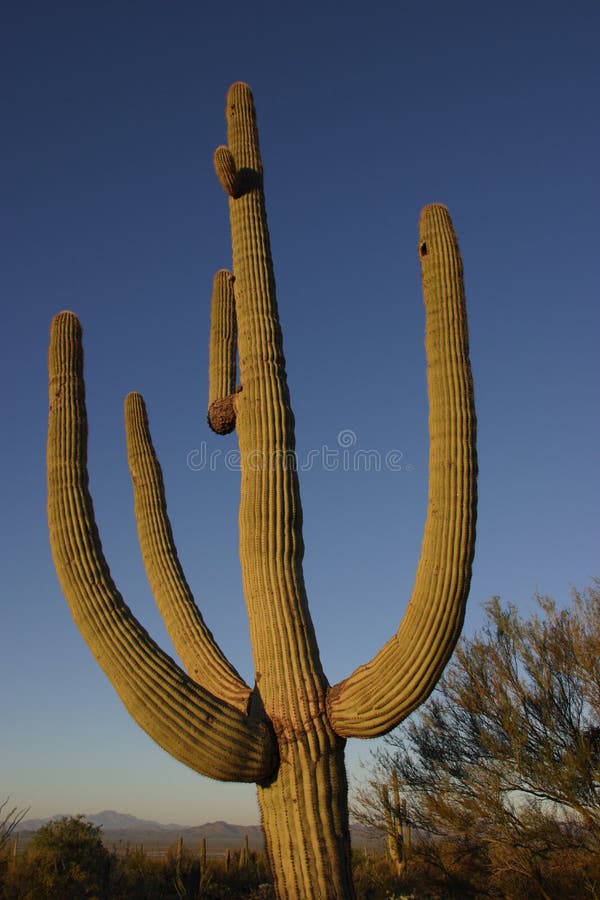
(111, 113)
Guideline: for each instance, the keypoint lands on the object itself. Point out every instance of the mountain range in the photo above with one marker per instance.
(122, 828)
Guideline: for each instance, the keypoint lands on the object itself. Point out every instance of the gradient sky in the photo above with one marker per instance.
(111, 113)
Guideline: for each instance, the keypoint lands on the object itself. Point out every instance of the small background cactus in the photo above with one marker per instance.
(397, 826)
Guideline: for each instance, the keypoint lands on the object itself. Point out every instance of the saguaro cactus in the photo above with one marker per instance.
(287, 733)
(244, 853)
(397, 826)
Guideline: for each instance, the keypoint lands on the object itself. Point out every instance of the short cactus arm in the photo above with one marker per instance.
(377, 696)
(194, 643)
(222, 355)
(195, 727)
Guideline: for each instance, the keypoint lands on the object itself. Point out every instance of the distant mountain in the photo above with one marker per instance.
(109, 820)
(122, 828)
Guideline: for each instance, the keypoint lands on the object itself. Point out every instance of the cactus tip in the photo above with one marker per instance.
(239, 91)
(433, 209)
(66, 323)
(223, 275)
(134, 399)
(433, 216)
(64, 316)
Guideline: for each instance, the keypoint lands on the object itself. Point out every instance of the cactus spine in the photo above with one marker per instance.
(288, 733)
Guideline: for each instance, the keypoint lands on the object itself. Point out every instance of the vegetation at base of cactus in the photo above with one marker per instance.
(288, 734)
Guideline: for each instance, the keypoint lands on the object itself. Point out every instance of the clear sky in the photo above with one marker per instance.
(367, 111)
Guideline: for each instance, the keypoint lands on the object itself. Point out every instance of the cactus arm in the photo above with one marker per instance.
(193, 642)
(378, 695)
(191, 724)
(227, 171)
(222, 352)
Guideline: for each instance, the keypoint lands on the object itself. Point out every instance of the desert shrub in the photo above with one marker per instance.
(500, 768)
(138, 877)
(10, 816)
(66, 860)
(252, 880)
(375, 878)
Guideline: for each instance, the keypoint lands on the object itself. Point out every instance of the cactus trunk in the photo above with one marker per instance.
(304, 811)
(287, 734)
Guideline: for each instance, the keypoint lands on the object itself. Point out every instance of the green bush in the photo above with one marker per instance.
(66, 860)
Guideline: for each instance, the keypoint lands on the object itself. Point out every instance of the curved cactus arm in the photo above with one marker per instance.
(193, 642)
(222, 355)
(378, 695)
(191, 724)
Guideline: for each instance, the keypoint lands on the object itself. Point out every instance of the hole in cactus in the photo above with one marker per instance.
(423, 249)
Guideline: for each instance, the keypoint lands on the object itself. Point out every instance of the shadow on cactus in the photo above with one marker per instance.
(287, 733)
